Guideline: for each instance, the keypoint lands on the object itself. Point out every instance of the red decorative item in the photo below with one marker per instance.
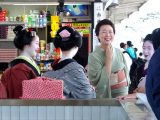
(57, 53)
(30, 29)
(42, 88)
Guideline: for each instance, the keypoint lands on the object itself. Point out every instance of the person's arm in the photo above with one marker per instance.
(96, 70)
(125, 69)
(140, 90)
(141, 86)
(82, 87)
(129, 96)
(108, 61)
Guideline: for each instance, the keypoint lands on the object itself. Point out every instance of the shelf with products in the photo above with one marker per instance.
(6, 40)
(13, 23)
(33, 19)
(45, 65)
(30, 19)
(49, 60)
(46, 55)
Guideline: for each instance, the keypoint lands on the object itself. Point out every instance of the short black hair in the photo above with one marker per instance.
(129, 43)
(23, 37)
(140, 54)
(156, 38)
(104, 22)
(122, 45)
(148, 37)
(136, 49)
(75, 39)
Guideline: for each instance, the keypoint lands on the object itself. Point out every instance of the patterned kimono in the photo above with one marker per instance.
(98, 75)
(76, 83)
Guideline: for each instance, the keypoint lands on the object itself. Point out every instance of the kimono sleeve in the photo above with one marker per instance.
(82, 89)
(96, 70)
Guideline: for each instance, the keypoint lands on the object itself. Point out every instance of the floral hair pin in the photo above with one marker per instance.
(33, 33)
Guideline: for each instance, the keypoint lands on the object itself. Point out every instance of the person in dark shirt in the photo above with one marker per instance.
(153, 76)
(142, 65)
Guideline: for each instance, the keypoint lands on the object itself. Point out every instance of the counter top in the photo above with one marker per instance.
(133, 110)
(93, 102)
(137, 110)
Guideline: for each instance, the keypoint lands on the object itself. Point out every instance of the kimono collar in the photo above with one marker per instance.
(62, 64)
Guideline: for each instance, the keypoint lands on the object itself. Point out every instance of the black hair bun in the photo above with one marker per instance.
(17, 29)
(75, 39)
(22, 38)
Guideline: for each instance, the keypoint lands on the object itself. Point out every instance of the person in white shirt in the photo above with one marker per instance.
(123, 47)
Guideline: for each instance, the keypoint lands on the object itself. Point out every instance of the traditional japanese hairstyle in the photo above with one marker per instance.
(23, 36)
(67, 38)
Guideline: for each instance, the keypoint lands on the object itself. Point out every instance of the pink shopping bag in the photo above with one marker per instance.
(42, 88)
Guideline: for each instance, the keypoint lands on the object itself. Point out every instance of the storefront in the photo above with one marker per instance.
(37, 15)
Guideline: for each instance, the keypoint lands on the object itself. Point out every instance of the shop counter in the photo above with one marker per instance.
(95, 109)
(137, 110)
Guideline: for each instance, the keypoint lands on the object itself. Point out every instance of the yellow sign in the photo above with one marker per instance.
(54, 19)
(54, 26)
(53, 34)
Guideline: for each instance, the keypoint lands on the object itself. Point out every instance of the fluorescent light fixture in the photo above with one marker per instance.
(43, 3)
(36, 3)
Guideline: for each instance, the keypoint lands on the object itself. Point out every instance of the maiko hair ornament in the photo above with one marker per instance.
(65, 35)
(23, 36)
(33, 33)
(20, 28)
(67, 38)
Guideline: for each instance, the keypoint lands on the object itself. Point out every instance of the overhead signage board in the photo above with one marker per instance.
(98, 12)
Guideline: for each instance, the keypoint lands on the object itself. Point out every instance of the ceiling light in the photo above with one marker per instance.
(43, 3)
